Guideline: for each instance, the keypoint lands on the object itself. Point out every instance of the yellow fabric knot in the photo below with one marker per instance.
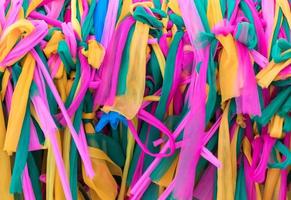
(52, 45)
(11, 36)
(240, 120)
(95, 53)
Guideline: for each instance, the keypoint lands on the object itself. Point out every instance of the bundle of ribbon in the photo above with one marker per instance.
(145, 99)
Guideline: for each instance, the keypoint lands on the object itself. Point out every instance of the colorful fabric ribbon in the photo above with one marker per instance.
(145, 99)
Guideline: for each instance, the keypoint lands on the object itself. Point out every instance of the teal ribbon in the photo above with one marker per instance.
(274, 106)
(65, 55)
(246, 34)
(121, 88)
(21, 155)
(74, 155)
(111, 147)
(280, 51)
(34, 176)
(240, 190)
(88, 23)
(284, 151)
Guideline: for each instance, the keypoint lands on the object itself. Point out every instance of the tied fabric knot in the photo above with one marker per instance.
(281, 51)
(19, 38)
(178, 21)
(149, 16)
(245, 33)
(206, 38)
(94, 52)
(83, 44)
(223, 28)
(112, 118)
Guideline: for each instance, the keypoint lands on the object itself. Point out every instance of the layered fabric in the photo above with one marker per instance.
(145, 99)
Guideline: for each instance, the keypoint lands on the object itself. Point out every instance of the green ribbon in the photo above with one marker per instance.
(274, 106)
(124, 64)
(280, 51)
(34, 176)
(286, 152)
(21, 155)
(65, 55)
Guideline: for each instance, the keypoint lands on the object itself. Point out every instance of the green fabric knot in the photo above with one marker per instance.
(83, 44)
(178, 21)
(281, 51)
(204, 38)
(246, 34)
(140, 14)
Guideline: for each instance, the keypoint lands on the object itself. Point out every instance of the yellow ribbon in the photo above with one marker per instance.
(228, 67)
(129, 153)
(167, 178)
(151, 98)
(276, 127)
(277, 9)
(268, 74)
(247, 151)
(125, 9)
(75, 23)
(5, 173)
(50, 172)
(285, 6)
(81, 9)
(174, 6)
(135, 76)
(2, 127)
(5, 166)
(60, 71)
(225, 185)
(273, 177)
(19, 104)
(5, 81)
(32, 6)
(214, 14)
(58, 188)
(160, 57)
(103, 185)
(66, 149)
